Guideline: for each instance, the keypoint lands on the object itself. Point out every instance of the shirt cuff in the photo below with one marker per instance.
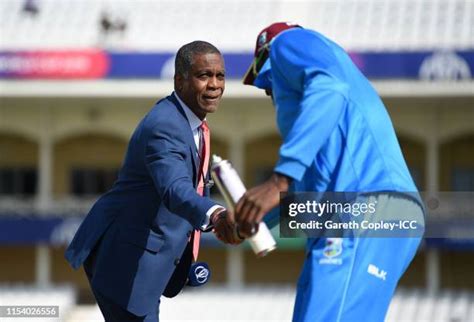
(291, 168)
(206, 226)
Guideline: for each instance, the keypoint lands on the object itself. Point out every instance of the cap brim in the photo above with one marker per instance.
(249, 78)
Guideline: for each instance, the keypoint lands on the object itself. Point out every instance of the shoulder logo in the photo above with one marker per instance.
(333, 247)
(331, 251)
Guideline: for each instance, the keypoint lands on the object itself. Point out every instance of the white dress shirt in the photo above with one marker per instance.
(195, 122)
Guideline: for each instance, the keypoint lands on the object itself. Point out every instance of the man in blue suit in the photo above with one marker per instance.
(139, 239)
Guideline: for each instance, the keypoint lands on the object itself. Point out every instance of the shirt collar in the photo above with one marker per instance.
(194, 121)
(264, 77)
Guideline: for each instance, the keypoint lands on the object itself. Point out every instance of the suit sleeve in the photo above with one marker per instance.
(165, 155)
(309, 96)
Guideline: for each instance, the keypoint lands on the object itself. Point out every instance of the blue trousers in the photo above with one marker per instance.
(111, 311)
(353, 278)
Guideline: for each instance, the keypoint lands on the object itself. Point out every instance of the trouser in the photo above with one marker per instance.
(354, 278)
(111, 311)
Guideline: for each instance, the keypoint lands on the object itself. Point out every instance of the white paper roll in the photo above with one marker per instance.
(232, 188)
(231, 181)
(262, 242)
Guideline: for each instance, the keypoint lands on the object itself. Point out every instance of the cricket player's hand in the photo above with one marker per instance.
(225, 227)
(258, 201)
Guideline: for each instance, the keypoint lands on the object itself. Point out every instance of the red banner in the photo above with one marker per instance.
(70, 64)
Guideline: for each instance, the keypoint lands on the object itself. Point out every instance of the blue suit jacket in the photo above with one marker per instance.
(145, 220)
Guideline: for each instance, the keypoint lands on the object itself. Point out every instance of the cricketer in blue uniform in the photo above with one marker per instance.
(337, 136)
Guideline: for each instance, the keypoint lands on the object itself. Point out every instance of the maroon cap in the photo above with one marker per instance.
(262, 48)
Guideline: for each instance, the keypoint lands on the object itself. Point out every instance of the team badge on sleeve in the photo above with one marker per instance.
(331, 251)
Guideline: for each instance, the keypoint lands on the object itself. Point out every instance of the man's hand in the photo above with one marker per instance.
(256, 202)
(225, 228)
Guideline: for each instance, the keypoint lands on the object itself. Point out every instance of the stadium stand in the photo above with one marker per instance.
(151, 25)
(275, 305)
(223, 304)
(64, 297)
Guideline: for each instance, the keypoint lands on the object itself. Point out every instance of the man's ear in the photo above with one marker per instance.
(178, 82)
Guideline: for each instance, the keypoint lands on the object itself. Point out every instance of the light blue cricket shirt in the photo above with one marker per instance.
(337, 134)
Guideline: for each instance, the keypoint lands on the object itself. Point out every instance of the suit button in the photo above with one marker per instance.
(176, 261)
(189, 233)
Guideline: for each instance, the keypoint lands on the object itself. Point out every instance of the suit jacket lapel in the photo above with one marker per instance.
(189, 135)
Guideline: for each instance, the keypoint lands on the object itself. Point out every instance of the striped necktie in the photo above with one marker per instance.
(205, 144)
